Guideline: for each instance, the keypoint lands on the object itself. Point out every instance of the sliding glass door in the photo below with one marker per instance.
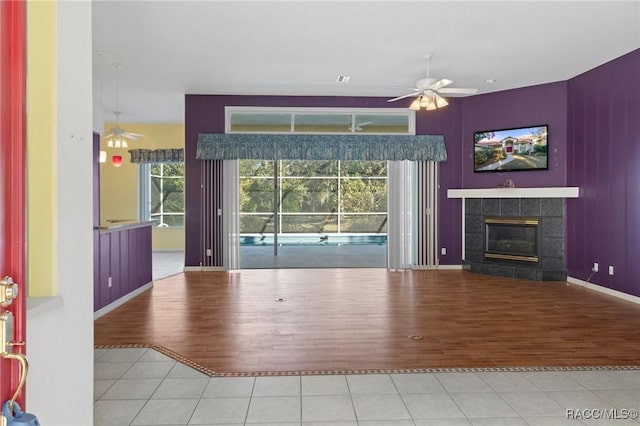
(307, 203)
(319, 201)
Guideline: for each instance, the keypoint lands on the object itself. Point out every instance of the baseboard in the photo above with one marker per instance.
(453, 267)
(605, 290)
(124, 299)
(435, 268)
(203, 268)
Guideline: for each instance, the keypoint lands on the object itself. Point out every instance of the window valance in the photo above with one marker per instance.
(170, 155)
(236, 146)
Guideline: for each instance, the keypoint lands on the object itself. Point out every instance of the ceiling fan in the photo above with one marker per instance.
(117, 137)
(359, 126)
(428, 91)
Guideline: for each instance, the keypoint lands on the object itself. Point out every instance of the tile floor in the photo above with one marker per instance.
(166, 263)
(144, 387)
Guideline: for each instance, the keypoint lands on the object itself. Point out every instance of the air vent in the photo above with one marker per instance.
(343, 78)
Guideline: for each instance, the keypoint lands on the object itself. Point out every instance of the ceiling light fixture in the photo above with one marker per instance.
(117, 138)
(430, 101)
(343, 78)
(428, 91)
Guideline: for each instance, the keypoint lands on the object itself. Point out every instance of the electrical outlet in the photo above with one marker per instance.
(109, 282)
(209, 253)
(595, 267)
(610, 270)
(443, 251)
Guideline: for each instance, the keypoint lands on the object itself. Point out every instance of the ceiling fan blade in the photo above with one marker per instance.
(405, 96)
(440, 84)
(108, 135)
(458, 91)
(129, 134)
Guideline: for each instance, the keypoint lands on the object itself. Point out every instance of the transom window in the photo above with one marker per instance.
(320, 120)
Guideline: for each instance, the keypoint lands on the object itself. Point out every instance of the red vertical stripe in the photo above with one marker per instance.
(12, 170)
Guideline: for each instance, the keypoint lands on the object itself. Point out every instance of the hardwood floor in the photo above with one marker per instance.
(360, 319)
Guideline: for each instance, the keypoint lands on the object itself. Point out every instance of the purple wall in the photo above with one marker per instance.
(125, 256)
(544, 104)
(594, 141)
(446, 122)
(205, 114)
(603, 159)
(529, 106)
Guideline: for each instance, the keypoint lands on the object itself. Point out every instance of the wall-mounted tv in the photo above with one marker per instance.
(502, 150)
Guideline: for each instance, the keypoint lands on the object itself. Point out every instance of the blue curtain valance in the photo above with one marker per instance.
(236, 146)
(170, 155)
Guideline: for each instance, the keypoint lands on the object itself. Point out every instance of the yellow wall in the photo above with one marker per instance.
(41, 153)
(119, 185)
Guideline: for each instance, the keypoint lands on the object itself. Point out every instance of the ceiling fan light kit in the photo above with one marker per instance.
(117, 137)
(428, 89)
(429, 101)
(117, 142)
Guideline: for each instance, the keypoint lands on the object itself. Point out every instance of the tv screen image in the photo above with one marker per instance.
(501, 150)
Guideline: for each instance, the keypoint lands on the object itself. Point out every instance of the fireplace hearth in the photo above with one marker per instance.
(515, 237)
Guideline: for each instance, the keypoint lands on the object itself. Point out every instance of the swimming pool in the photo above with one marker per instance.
(313, 239)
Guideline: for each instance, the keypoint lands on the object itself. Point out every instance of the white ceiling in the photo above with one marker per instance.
(171, 48)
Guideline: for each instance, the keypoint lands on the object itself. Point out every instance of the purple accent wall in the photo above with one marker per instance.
(96, 180)
(205, 114)
(96, 218)
(603, 159)
(446, 122)
(543, 104)
(125, 255)
(594, 141)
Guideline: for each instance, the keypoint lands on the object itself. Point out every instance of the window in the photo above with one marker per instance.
(162, 194)
(341, 197)
(320, 120)
(309, 196)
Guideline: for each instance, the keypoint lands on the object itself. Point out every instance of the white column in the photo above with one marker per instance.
(60, 329)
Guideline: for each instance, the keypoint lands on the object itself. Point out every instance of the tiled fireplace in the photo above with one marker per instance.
(515, 237)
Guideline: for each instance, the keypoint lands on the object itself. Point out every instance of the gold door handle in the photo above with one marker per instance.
(24, 364)
(6, 347)
(8, 291)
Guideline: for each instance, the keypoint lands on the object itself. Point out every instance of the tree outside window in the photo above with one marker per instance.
(314, 196)
(167, 194)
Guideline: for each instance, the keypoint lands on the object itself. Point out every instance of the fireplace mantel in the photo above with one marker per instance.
(551, 192)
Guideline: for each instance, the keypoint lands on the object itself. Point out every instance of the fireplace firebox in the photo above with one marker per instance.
(512, 239)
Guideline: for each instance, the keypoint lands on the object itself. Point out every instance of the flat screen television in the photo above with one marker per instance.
(503, 150)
